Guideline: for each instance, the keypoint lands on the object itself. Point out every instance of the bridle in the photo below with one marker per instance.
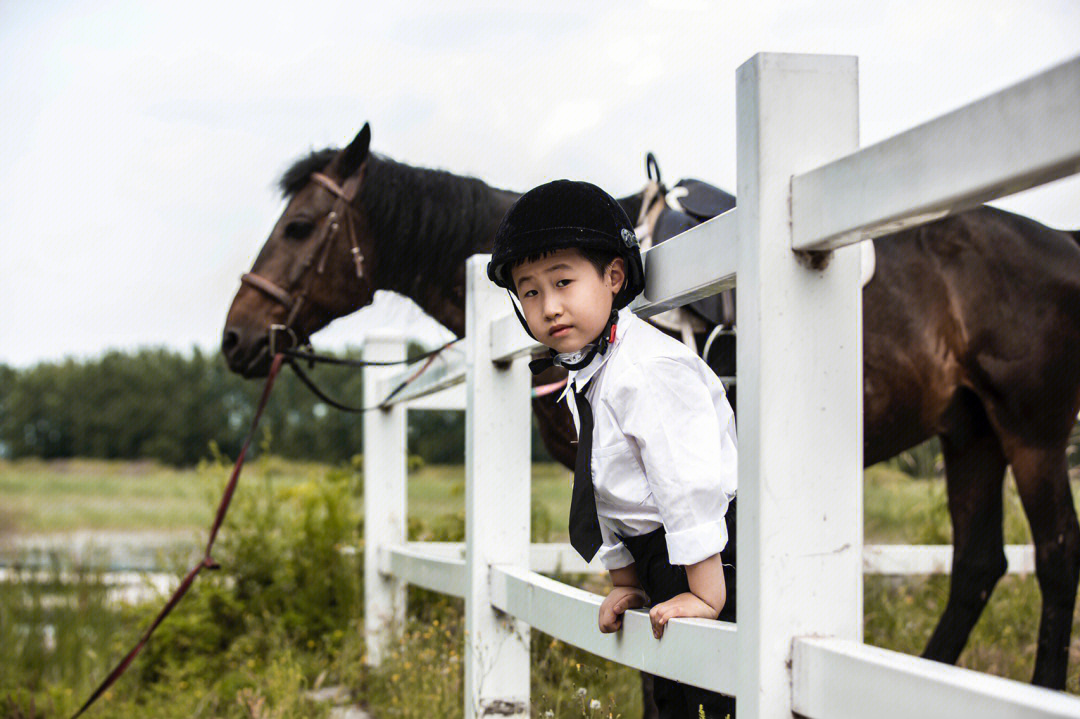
(342, 214)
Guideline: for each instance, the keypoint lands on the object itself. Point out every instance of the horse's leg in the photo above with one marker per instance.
(974, 470)
(1043, 482)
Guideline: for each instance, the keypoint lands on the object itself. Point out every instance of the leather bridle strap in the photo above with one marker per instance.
(345, 195)
(267, 287)
(329, 184)
(342, 205)
(292, 354)
(206, 562)
(341, 212)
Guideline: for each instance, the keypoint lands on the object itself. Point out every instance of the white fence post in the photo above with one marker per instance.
(799, 359)
(497, 496)
(385, 457)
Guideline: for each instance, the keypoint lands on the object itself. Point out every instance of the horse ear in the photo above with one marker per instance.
(354, 155)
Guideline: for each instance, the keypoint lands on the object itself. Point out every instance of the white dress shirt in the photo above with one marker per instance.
(664, 444)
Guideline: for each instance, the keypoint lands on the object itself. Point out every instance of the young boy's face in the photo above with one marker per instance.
(564, 290)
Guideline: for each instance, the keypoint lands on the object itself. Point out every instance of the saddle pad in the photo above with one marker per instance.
(699, 199)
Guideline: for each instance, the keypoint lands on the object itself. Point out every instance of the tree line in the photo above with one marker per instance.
(169, 406)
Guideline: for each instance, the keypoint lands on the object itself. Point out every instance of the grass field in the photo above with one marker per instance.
(59, 496)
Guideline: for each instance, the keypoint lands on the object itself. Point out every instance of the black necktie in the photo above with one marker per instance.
(584, 524)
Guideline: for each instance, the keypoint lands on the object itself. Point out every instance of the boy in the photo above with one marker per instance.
(655, 480)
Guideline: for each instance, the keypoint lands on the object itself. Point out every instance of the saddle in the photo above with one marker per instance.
(669, 212)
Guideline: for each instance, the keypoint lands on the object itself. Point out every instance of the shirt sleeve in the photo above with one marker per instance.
(665, 407)
(613, 554)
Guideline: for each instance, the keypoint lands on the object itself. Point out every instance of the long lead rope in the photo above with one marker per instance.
(295, 354)
(348, 408)
(207, 561)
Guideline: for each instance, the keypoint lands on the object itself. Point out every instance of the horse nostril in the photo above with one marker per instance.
(229, 340)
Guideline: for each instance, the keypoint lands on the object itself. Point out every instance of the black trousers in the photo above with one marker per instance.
(662, 581)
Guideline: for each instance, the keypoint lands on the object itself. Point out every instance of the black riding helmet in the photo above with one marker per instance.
(567, 213)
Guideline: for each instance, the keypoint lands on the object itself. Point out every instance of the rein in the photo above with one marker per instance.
(207, 561)
(298, 354)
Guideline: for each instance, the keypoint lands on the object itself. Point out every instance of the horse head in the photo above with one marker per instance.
(317, 264)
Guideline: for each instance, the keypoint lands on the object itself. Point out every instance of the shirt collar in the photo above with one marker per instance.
(578, 378)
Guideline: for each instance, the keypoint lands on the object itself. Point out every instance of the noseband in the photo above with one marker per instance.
(342, 213)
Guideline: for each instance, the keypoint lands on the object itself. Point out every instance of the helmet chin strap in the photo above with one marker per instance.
(571, 360)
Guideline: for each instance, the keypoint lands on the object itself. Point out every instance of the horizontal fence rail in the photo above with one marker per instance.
(941, 167)
(1023, 136)
(934, 559)
(424, 568)
(836, 679)
(701, 264)
(561, 558)
(693, 651)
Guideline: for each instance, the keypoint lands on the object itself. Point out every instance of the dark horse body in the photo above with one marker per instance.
(971, 333)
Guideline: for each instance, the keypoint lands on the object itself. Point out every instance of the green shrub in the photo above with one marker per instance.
(283, 579)
(245, 641)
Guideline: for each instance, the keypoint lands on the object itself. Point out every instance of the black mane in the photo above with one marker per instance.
(297, 176)
(426, 222)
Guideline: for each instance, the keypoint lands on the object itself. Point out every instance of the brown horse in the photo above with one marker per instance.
(971, 333)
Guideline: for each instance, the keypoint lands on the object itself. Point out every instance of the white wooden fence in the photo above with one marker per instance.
(803, 183)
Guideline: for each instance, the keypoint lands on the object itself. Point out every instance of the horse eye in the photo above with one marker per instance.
(299, 229)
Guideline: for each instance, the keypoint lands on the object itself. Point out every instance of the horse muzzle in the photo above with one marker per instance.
(249, 353)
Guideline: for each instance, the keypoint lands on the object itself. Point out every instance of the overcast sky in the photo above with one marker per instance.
(140, 142)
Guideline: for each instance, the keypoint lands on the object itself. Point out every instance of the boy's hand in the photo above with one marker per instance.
(618, 601)
(686, 604)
